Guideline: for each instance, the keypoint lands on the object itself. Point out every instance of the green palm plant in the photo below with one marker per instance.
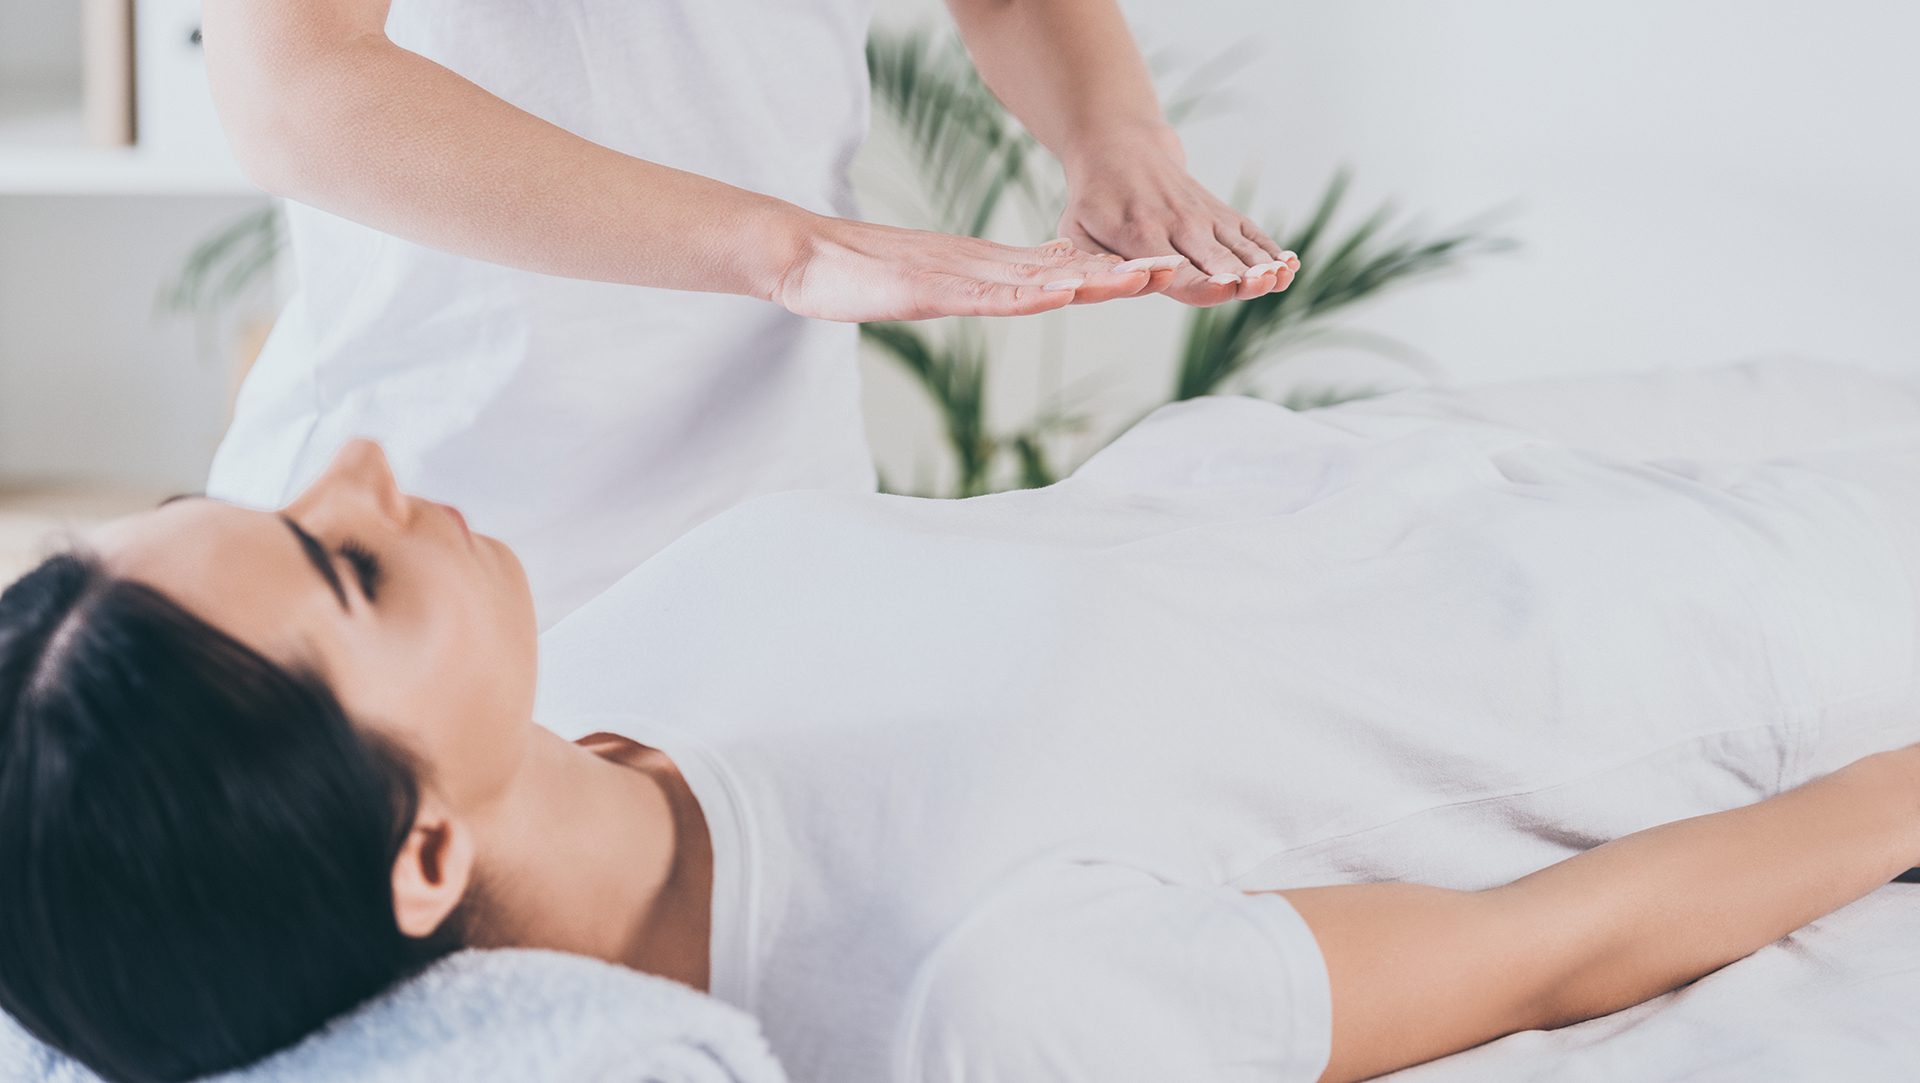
(970, 153)
(1224, 345)
(226, 264)
(973, 159)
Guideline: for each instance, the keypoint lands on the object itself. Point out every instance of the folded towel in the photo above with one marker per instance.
(511, 1016)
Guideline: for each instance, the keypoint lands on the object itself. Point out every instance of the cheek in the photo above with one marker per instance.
(484, 706)
(458, 689)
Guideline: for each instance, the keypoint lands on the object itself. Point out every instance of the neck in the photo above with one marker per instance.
(599, 851)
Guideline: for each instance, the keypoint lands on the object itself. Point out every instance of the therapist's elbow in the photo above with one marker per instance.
(266, 162)
(280, 120)
(266, 130)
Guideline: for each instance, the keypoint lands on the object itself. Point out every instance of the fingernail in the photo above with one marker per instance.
(1132, 265)
(1262, 270)
(1224, 279)
(1288, 257)
(1061, 284)
(1166, 263)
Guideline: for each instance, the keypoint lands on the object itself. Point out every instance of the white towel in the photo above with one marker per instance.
(496, 1017)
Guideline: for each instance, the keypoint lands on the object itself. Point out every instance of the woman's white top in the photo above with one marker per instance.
(587, 424)
(988, 780)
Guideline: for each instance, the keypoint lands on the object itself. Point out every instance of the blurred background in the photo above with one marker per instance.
(1568, 189)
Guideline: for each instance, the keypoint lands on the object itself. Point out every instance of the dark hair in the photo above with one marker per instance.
(196, 844)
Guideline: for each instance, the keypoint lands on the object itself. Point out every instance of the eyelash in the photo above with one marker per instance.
(366, 567)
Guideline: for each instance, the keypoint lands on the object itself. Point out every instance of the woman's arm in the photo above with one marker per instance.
(1418, 972)
(1069, 69)
(322, 107)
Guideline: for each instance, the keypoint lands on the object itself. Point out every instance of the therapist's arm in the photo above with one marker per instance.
(1070, 70)
(1419, 972)
(323, 108)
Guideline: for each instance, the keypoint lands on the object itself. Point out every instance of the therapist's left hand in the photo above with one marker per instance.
(1130, 194)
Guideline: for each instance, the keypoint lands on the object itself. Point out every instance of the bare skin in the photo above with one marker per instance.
(1071, 71)
(599, 848)
(322, 107)
(1418, 972)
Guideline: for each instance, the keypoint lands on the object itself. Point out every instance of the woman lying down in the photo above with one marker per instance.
(1271, 746)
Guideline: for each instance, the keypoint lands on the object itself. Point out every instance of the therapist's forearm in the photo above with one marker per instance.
(1069, 69)
(1419, 972)
(372, 132)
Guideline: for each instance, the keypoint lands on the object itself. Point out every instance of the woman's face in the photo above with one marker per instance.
(423, 630)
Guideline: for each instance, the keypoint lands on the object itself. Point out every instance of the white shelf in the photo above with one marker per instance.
(44, 150)
(105, 172)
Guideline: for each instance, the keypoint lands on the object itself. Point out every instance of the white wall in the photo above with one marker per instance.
(1693, 180)
(96, 382)
(40, 42)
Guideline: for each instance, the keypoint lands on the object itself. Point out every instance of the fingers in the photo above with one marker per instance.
(1263, 275)
(1289, 270)
(1230, 235)
(1192, 286)
(1207, 253)
(992, 279)
(1262, 278)
(1157, 257)
(1133, 278)
(952, 295)
(1270, 277)
(1163, 271)
(1102, 275)
(1151, 250)
(1267, 244)
(1229, 277)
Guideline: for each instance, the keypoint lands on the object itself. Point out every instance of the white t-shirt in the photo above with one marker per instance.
(588, 424)
(988, 780)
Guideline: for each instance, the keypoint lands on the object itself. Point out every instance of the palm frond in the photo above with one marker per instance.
(970, 153)
(1036, 466)
(953, 371)
(1226, 344)
(226, 264)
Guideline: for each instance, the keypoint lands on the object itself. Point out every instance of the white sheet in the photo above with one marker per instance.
(1838, 1000)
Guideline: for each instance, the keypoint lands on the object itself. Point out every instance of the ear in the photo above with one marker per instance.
(433, 871)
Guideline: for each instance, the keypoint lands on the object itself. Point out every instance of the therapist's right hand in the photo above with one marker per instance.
(859, 272)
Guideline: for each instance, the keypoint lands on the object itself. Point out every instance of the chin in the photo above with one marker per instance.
(514, 586)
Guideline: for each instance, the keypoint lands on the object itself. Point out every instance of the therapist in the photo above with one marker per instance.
(492, 198)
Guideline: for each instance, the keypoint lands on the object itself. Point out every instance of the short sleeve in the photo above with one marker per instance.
(1108, 973)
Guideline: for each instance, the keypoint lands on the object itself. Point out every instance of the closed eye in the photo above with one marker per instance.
(366, 567)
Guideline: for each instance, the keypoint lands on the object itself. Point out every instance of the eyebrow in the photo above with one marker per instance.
(317, 556)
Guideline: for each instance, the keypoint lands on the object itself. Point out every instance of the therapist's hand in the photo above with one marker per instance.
(859, 272)
(1129, 193)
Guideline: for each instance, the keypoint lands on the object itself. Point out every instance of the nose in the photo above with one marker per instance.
(359, 475)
